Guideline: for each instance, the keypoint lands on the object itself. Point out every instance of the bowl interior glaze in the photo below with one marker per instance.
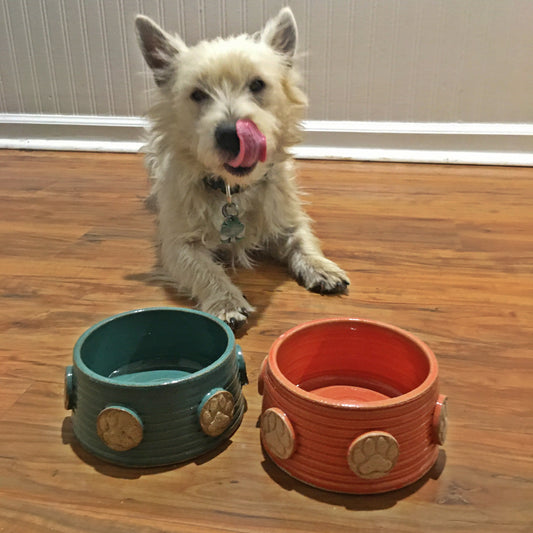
(352, 361)
(152, 346)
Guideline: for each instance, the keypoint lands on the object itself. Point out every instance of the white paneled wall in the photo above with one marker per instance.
(448, 80)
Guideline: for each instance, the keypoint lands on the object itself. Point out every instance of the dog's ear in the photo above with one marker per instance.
(158, 47)
(281, 33)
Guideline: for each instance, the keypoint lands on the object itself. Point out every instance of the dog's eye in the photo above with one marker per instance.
(198, 95)
(257, 85)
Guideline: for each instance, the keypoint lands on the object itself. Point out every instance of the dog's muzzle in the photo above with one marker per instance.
(243, 144)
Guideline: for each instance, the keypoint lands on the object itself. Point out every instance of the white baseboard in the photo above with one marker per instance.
(71, 133)
(458, 143)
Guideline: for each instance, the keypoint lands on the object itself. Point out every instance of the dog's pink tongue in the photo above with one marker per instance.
(252, 145)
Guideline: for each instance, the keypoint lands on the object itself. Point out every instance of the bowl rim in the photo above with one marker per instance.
(80, 364)
(424, 387)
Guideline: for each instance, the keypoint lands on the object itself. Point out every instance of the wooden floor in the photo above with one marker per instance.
(445, 252)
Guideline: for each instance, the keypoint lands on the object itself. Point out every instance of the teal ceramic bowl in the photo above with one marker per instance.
(155, 386)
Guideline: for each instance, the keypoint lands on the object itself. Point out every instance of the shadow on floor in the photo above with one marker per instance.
(354, 502)
(127, 472)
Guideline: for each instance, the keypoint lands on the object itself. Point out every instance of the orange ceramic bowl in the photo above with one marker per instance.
(352, 406)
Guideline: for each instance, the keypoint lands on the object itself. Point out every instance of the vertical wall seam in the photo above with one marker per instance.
(68, 53)
(220, 15)
(415, 60)
(202, 14)
(107, 66)
(461, 65)
(348, 89)
(392, 64)
(29, 44)
(125, 58)
(3, 103)
(370, 63)
(49, 55)
(437, 64)
(485, 39)
(225, 20)
(183, 30)
(13, 57)
(327, 55)
(87, 59)
(244, 18)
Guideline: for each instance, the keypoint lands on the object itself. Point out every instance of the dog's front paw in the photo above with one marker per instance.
(235, 318)
(322, 276)
(233, 310)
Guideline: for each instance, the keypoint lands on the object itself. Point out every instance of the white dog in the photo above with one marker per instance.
(226, 111)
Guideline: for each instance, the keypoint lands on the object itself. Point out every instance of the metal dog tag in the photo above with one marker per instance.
(232, 228)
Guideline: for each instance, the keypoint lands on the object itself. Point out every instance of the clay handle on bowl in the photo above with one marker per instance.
(70, 396)
(243, 376)
(261, 378)
(440, 419)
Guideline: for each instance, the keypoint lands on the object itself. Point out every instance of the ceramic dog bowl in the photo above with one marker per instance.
(155, 386)
(351, 406)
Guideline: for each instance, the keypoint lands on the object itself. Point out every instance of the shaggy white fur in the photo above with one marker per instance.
(204, 90)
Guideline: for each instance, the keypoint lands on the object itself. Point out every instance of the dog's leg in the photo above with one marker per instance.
(194, 272)
(301, 250)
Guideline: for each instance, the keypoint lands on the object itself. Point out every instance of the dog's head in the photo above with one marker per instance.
(230, 106)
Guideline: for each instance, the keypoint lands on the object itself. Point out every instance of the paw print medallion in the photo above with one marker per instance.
(216, 413)
(119, 428)
(278, 433)
(373, 454)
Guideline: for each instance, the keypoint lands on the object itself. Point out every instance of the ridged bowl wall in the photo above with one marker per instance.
(155, 386)
(351, 406)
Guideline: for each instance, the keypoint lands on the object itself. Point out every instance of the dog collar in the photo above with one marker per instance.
(218, 184)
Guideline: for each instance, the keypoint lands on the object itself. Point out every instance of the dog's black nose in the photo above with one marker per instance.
(227, 139)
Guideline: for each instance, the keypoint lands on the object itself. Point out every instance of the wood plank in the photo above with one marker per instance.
(445, 252)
